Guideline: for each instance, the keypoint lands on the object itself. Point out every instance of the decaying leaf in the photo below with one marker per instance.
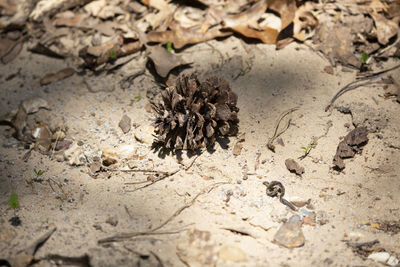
(192, 114)
(103, 9)
(69, 19)
(49, 7)
(351, 144)
(246, 24)
(17, 118)
(42, 136)
(163, 60)
(385, 28)
(10, 49)
(55, 77)
(180, 36)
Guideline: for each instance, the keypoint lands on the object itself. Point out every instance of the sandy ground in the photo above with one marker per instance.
(349, 204)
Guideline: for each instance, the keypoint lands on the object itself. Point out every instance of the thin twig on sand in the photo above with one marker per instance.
(276, 133)
(360, 82)
(125, 236)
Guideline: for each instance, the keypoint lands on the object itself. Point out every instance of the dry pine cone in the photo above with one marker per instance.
(193, 113)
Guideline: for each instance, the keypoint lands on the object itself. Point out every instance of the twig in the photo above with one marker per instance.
(127, 211)
(360, 82)
(31, 250)
(276, 133)
(160, 263)
(366, 244)
(216, 50)
(124, 236)
(165, 175)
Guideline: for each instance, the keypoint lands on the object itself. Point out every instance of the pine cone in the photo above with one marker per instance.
(192, 114)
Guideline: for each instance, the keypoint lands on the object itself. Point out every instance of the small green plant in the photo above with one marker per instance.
(364, 57)
(169, 47)
(138, 97)
(306, 149)
(244, 71)
(112, 54)
(38, 172)
(13, 201)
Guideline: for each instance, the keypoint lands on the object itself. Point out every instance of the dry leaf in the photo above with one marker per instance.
(385, 28)
(163, 60)
(69, 19)
(182, 36)
(42, 136)
(33, 104)
(285, 8)
(55, 77)
(49, 7)
(246, 23)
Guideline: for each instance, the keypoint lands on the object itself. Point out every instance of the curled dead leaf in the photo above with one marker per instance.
(163, 60)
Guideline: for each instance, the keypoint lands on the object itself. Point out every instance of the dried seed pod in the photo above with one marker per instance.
(192, 114)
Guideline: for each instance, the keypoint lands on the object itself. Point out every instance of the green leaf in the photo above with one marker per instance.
(13, 201)
(169, 46)
(38, 172)
(364, 57)
(138, 97)
(112, 54)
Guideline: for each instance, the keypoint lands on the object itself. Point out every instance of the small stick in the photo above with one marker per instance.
(367, 244)
(124, 236)
(276, 134)
(360, 82)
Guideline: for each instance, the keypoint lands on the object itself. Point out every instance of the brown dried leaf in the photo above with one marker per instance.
(10, 49)
(69, 19)
(385, 28)
(285, 8)
(55, 77)
(8, 8)
(241, 23)
(103, 9)
(42, 136)
(50, 7)
(163, 60)
(180, 36)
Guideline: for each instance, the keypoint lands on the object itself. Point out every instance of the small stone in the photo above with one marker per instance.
(381, 257)
(322, 217)
(63, 144)
(232, 253)
(293, 166)
(144, 134)
(95, 167)
(113, 221)
(358, 136)
(237, 149)
(392, 261)
(290, 234)
(109, 157)
(329, 69)
(298, 201)
(75, 156)
(125, 124)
